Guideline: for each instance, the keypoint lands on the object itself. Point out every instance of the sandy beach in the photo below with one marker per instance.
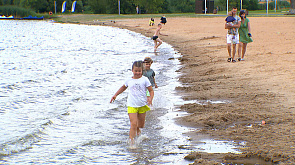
(257, 90)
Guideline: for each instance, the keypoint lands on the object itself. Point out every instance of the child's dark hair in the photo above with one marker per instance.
(147, 60)
(137, 64)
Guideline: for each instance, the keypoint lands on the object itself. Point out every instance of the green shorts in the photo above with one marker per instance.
(138, 109)
(148, 93)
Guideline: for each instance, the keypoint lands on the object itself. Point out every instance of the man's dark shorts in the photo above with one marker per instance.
(155, 37)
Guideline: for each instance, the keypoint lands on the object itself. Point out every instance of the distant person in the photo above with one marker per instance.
(152, 22)
(245, 35)
(230, 39)
(148, 72)
(137, 101)
(156, 38)
(163, 20)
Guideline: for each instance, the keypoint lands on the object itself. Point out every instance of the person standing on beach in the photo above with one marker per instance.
(234, 40)
(245, 35)
(137, 101)
(156, 38)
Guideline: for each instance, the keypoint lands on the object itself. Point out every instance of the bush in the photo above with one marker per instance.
(16, 11)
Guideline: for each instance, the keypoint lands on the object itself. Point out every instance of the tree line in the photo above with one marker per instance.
(126, 6)
(107, 6)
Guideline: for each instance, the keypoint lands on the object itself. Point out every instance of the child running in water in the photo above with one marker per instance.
(137, 101)
(156, 38)
(148, 72)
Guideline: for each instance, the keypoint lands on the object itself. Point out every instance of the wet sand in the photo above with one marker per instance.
(259, 89)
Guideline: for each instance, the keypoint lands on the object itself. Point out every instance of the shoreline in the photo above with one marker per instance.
(259, 89)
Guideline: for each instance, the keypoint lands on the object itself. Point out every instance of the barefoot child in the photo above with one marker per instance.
(137, 100)
(148, 72)
(156, 38)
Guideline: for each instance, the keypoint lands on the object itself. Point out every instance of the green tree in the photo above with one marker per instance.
(39, 6)
(182, 6)
(165, 7)
(250, 4)
(247, 4)
(149, 6)
(6, 2)
(98, 6)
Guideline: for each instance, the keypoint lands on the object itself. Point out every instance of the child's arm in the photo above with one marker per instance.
(122, 89)
(156, 86)
(150, 99)
(163, 34)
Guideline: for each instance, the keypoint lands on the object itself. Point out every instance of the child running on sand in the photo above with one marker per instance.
(156, 38)
(137, 101)
(148, 72)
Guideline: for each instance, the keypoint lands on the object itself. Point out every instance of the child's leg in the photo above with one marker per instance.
(159, 43)
(155, 41)
(133, 125)
(140, 122)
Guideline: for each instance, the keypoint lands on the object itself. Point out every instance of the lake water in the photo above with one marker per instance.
(55, 87)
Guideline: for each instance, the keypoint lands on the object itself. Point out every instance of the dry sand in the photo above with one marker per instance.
(261, 88)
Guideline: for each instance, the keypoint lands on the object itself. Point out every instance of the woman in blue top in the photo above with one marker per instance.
(245, 35)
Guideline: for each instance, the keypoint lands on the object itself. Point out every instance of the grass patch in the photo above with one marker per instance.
(16, 11)
(88, 18)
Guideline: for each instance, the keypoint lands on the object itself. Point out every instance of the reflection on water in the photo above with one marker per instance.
(56, 84)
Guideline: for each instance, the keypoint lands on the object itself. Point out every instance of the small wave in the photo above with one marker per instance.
(61, 92)
(101, 143)
(30, 81)
(12, 87)
(4, 96)
(21, 144)
(82, 49)
(47, 123)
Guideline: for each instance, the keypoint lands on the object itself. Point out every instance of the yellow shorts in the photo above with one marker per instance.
(138, 109)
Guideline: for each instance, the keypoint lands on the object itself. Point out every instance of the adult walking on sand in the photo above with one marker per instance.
(245, 35)
(233, 39)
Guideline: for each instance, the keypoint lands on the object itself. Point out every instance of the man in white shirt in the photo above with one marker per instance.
(233, 39)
